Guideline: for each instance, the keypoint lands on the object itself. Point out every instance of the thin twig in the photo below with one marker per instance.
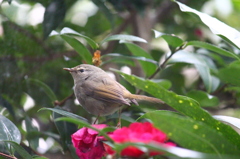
(7, 156)
(57, 103)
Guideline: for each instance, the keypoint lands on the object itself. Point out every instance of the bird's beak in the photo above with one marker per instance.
(68, 69)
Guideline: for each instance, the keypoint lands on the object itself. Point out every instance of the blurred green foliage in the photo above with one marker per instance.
(165, 46)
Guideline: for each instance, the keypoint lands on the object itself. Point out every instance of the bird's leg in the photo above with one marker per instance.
(119, 118)
(96, 119)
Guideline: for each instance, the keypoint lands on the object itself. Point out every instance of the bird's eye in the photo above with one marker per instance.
(81, 70)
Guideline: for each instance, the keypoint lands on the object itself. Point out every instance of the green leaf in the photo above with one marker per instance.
(53, 16)
(79, 47)
(216, 26)
(184, 105)
(179, 153)
(148, 67)
(171, 39)
(163, 83)
(45, 87)
(230, 75)
(69, 31)
(65, 113)
(123, 38)
(213, 48)
(201, 63)
(191, 134)
(85, 124)
(31, 129)
(204, 99)
(21, 151)
(105, 10)
(8, 131)
(229, 120)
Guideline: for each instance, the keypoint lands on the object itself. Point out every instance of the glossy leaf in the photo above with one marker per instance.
(204, 99)
(184, 105)
(229, 120)
(191, 134)
(45, 87)
(8, 131)
(123, 38)
(53, 16)
(216, 26)
(69, 31)
(21, 151)
(79, 47)
(213, 48)
(65, 113)
(171, 39)
(148, 67)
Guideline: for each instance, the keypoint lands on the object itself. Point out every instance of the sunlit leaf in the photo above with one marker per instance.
(8, 131)
(184, 105)
(123, 37)
(216, 26)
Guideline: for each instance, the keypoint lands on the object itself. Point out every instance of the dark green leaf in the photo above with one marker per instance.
(184, 105)
(53, 16)
(204, 99)
(79, 47)
(65, 113)
(123, 38)
(32, 139)
(148, 67)
(7, 105)
(45, 87)
(8, 131)
(217, 27)
(171, 39)
(229, 120)
(21, 151)
(191, 134)
(213, 48)
(65, 130)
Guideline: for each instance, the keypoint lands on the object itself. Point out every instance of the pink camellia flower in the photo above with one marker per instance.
(88, 144)
(139, 132)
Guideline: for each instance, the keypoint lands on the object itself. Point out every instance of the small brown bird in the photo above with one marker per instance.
(99, 94)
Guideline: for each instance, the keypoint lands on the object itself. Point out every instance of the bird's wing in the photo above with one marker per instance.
(106, 90)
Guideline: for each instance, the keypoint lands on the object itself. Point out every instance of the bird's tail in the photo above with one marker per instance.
(146, 98)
